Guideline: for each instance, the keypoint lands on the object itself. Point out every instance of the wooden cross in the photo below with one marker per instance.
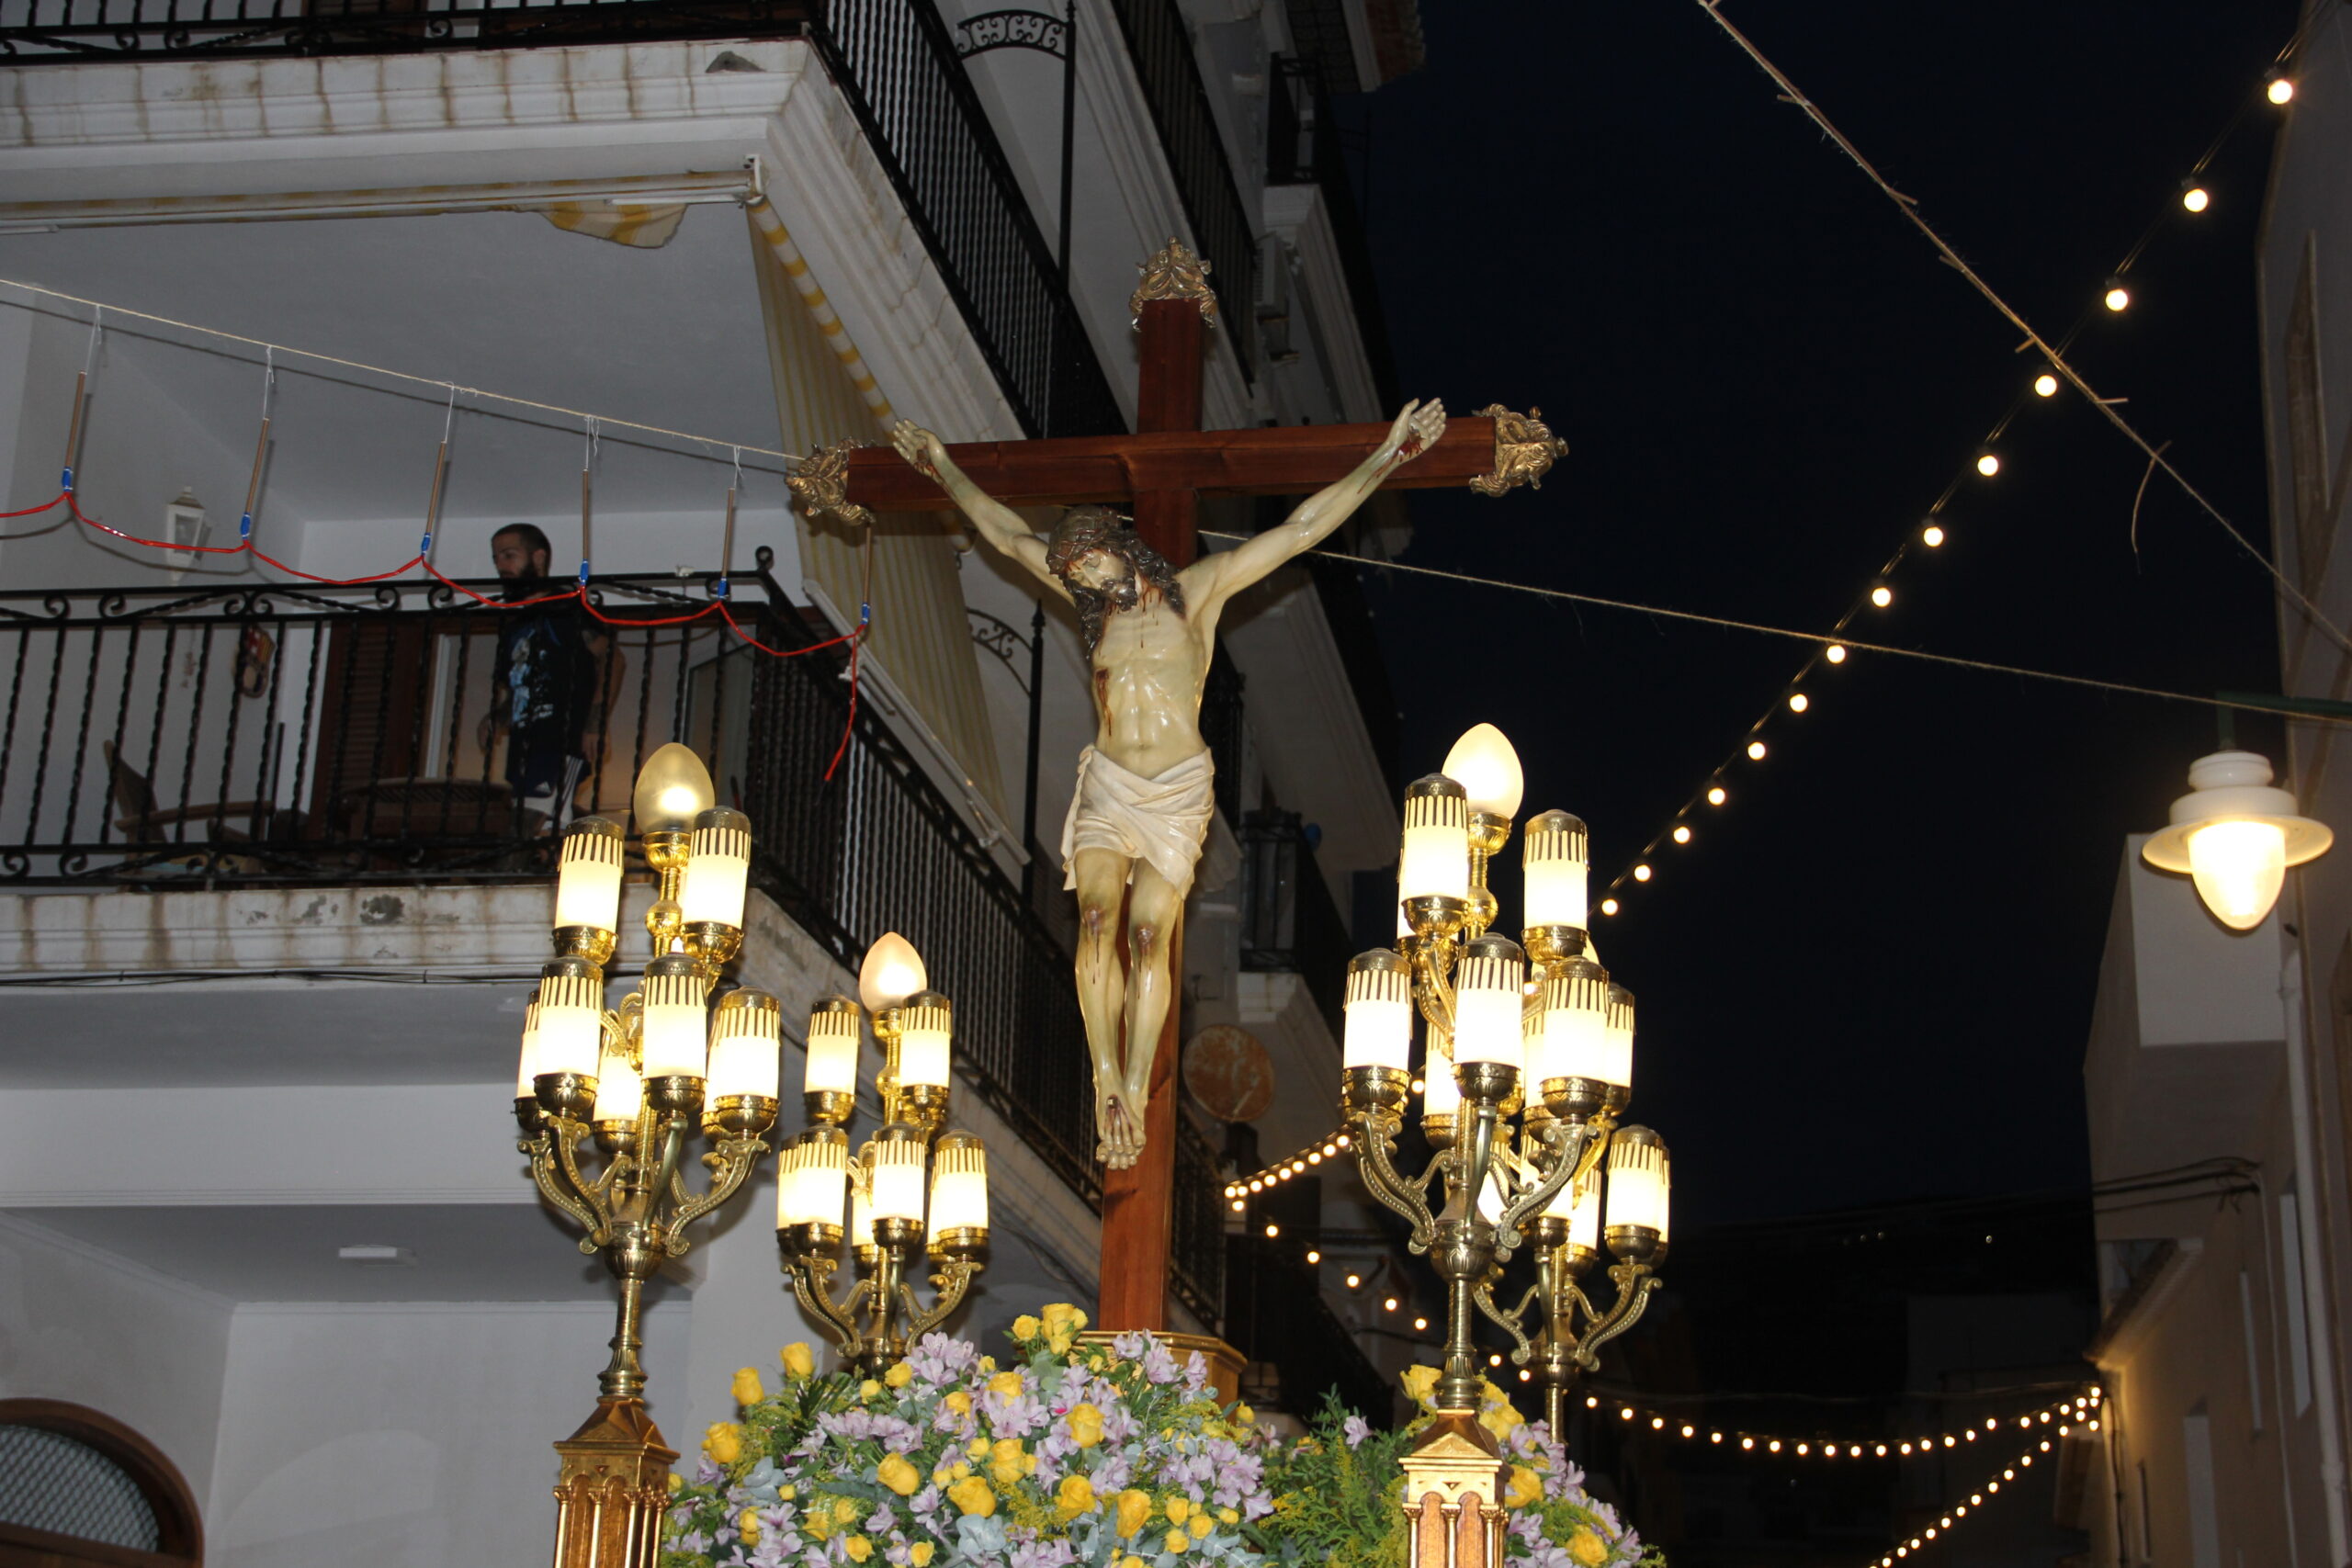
(1157, 475)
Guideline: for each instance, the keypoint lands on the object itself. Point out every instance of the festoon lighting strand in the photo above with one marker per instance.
(2061, 1416)
(1237, 1190)
(1958, 1513)
(1877, 596)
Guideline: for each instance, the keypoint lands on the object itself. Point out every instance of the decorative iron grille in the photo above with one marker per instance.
(1196, 1227)
(51, 1481)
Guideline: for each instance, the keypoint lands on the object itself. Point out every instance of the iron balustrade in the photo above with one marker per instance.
(1160, 42)
(37, 32)
(1196, 1243)
(1289, 921)
(1274, 1312)
(1304, 148)
(160, 740)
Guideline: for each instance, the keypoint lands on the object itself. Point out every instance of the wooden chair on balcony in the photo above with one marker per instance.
(141, 821)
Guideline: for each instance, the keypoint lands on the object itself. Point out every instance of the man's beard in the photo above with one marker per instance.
(524, 584)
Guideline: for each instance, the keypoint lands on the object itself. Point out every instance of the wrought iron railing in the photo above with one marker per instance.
(1196, 1226)
(208, 737)
(1274, 1312)
(1302, 148)
(1161, 44)
(1289, 922)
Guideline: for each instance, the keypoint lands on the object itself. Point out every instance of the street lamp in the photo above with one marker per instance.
(1529, 1063)
(884, 1182)
(2235, 834)
(637, 1082)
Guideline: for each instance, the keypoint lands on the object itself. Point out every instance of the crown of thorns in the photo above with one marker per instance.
(1085, 529)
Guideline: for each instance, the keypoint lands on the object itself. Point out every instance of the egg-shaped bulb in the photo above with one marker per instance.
(2239, 868)
(673, 789)
(1484, 763)
(892, 971)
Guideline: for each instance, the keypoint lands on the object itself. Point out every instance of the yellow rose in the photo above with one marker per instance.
(748, 1527)
(797, 1360)
(1244, 1415)
(1074, 1496)
(1177, 1540)
(1135, 1509)
(959, 1470)
(845, 1510)
(941, 1476)
(1500, 1419)
(787, 1493)
(1009, 1463)
(1005, 1385)
(1085, 1425)
(920, 1554)
(959, 1402)
(747, 1389)
(979, 1448)
(1586, 1547)
(1094, 1363)
(1420, 1382)
(1025, 1329)
(1229, 1516)
(1525, 1487)
(1063, 1318)
(899, 1473)
(858, 1547)
(724, 1442)
(899, 1375)
(1177, 1507)
(1200, 1524)
(676, 1481)
(972, 1496)
(868, 1389)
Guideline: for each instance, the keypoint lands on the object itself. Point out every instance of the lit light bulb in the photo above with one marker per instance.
(1388, 1306)
(1681, 835)
(1756, 750)
(892, 971)
(1609, 905)
(1314, 1257)
(2046, 385)
(1641, 874)
(1932, 535)
(1834, 653)
(1799, 702)
(1239, 1205)
(1881, 596)
(2117, 298)
(1988, 464)
(1487, 768)
(1420, 1324)
(2282, 88)
(1354, 1280)
(1525, 1375)
(2239, 868)
(1716, 797)
(1746, 1442)
(1495, 1360)
(2196, 197)
(2235, 835)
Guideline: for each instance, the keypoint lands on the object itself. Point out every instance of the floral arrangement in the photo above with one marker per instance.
(1076, 1455)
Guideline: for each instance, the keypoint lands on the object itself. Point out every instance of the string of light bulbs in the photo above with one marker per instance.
(1958, 1512)
(2195, 197)
(2061, 1416)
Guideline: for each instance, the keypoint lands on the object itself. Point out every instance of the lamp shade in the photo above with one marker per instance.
(1637, 1180)
(719, 868)
(897, 1175)
(530, 1068)
(588, 875)
(1617, 1067)
(892, 971)
(1488, 986)
(1555, 861)
(2235, 835)
(675, 1040)
(620, 1091)
(1440, 1090)
(959, 1185)
(836, 1027)
(1570, 1039)
(571, 1018)
(673, 789)
(746, 1045)
(1434, 861)
(810, 1186)
(926, 1024)
(1487, 768)
(1379, 1011)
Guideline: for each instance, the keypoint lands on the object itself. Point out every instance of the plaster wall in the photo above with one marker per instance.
(82, 1325)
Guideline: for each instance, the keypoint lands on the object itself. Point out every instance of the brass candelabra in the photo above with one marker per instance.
(634, 1083)
(1528, 1067)
(885, 1179)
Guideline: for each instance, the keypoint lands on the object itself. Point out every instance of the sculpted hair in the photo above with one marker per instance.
(1086, 530)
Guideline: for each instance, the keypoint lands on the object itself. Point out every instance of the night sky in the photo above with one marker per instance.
(1869, 978)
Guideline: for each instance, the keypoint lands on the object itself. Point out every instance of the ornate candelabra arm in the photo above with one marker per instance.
(1375, 1141)
(1511, 1321)
(730, 1165)
(595, 1196)
(1567, 1142)
(953, 1278)
(555, 1189)
(1634, 1283)
(812, 1275)
(1434, 987)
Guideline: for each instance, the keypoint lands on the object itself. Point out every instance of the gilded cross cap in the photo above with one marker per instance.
(1173, 273)
(1525, 450)
(820, 482)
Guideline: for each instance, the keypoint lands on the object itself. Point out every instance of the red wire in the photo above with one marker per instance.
(781, 652)
(336, 582)
(151, 543)
(842, 750)
(44, 506)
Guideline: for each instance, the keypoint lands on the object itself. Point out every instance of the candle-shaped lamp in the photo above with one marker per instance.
(828, 1083)
(746, 1045)
(959, 1195)
(719, 869)
(1379, 1030)
(924, 1025)
(1635, 1217)
(1433, 863)
(1569, 1055)
(588, 888)
(1554, 860)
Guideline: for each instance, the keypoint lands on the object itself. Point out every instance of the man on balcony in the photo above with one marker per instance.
(549, 678)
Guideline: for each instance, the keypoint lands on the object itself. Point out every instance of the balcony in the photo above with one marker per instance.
(1289, 921)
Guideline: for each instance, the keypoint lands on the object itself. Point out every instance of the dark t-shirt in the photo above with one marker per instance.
(547, 676)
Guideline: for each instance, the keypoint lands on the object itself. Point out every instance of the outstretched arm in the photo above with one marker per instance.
(997, 524)
(1231, 572)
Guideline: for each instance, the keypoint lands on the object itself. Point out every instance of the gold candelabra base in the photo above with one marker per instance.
(1454, 1477)
(612, 1483)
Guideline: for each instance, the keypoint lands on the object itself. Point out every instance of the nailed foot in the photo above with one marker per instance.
(1120, 1128)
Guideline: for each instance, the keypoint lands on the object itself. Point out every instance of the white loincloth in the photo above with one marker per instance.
(1162, 821)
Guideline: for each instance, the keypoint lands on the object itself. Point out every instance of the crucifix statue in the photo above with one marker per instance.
(1150, 631)
(1143, 803)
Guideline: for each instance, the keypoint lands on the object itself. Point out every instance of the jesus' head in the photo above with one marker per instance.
(1107, 566)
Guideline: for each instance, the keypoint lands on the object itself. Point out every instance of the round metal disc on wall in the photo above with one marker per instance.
(1229, 1073)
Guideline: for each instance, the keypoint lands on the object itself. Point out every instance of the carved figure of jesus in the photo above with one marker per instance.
(1141, 811)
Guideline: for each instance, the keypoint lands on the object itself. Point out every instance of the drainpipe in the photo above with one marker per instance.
(2318, 1321)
